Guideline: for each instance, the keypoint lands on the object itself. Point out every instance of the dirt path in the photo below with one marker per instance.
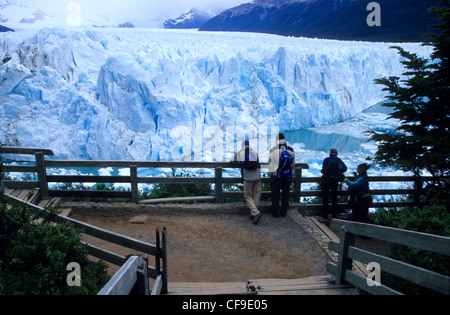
(209, 244)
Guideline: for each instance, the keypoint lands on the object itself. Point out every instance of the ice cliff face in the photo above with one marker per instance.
(159, 94)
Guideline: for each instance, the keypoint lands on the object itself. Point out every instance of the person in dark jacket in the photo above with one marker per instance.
(332, 169)
(361, 190)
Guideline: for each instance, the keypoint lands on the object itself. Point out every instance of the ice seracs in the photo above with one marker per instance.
(127, 93)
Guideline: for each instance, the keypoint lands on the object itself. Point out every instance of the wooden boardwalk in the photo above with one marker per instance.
(33, 196)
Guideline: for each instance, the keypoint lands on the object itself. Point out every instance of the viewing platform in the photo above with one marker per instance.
(347, 265)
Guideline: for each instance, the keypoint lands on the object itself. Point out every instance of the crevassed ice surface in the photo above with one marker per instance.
(144, 94)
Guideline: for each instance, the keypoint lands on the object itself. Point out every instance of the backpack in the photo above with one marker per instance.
(284, 166)
(251, 160)
(334, 167)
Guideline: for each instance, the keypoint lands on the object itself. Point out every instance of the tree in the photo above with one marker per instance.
(421, 103)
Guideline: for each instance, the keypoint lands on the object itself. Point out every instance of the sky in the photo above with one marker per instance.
(139, 9)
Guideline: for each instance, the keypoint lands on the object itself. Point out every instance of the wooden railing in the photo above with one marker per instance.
(158, 250)
(377, 263)
(132, 276)
(43, 180)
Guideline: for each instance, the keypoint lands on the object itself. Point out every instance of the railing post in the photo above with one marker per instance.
(346, 239)
(297, 184)
(42, 174)
(218, 184)
(158, 253)
(418, 189)
(164, 289)
(134, 184)
(142, 277)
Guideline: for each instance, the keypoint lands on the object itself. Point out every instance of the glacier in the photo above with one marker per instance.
(152, 94)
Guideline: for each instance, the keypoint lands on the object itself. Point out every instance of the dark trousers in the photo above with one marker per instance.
(277, 184)
(360, 209)
(329, 189)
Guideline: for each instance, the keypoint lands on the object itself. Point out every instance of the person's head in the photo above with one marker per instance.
(280, 136)
(362, 168)
(333, 151)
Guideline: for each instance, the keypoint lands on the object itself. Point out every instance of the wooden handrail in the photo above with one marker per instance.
(134, 180)
(347, 252)
(159, 250)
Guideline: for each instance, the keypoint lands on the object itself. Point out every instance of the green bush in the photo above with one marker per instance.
(433, 217)
(34, 254)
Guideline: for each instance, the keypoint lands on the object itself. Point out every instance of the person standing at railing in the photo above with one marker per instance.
(332, 170)
(281, 166)
(248, 161)
(361, 190)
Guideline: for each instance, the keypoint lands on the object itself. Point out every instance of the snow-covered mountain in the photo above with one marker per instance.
(193, 19)
(35, 14)
(163, 94)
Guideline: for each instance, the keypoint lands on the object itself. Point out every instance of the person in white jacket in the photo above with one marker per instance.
(281, 169)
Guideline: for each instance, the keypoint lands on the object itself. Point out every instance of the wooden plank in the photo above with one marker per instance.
(428, 242)
(134, 184)
(16, 192)
(157, 286)
(207, 288)
(176, 199)
(90, 194)
(175, 180)
(66, 212)
(152, 164)
(218, 184)
(324, 229)
(361, 282)
(42, 174)
(310, 286)
(103, 234)
(124, 280)
(420, 276)
(20, 168)
(31, 151)
(87, 179)
(13, 184)
(25, 194)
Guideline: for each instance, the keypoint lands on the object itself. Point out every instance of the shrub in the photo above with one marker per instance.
(34, 254)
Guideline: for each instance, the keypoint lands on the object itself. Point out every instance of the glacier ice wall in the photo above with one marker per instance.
(160, 95)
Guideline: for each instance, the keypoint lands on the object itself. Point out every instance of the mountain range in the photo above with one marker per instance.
(401, 20)
(193, 19)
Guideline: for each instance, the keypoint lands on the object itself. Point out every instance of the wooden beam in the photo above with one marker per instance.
(124, 280)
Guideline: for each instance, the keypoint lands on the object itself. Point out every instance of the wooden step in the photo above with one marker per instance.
(207, 288)
(316, 285)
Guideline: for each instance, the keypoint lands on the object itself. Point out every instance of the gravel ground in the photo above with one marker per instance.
(213, 243)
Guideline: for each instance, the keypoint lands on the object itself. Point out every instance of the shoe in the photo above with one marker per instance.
(257, 218)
